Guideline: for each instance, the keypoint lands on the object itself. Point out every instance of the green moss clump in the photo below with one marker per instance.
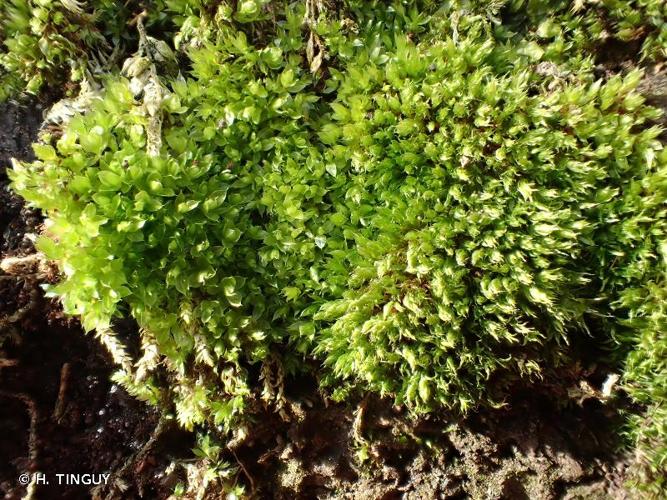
(636, 275)
(57, 42)
(571, 31)
(404, 195)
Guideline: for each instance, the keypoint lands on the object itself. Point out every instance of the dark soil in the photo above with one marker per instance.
(533, 450)
(18, 128)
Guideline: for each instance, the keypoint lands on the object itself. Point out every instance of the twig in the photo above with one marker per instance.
(97, 492)
(59, 409)
(137, 18)
(33, 449)
(245, 471)
(34, 264)
(8, 362)
(358, 425)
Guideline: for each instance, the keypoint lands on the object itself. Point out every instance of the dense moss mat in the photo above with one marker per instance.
(433, 202)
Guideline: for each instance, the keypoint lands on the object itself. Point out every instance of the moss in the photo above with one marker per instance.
(432, 202)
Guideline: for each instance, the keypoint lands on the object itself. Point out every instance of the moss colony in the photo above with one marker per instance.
(432, 201)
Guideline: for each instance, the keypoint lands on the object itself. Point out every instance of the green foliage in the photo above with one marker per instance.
(627, 22)
(635, 267)
(429, 202)
(40, 39)
(59, 41)
(567, 31)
